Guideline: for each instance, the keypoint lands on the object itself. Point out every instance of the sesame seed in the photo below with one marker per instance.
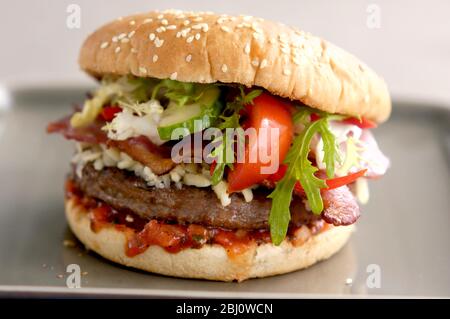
(178, 34)
(173, 76)
(263, 64)
(104, 45)
(160, 16)
(225, 29)
(155, 58)
(286, 72)
(184, 32)
(190, 39)
(114, 39)
(164, 22)
(197, 26)
(151, 36)
(255, 62)
(158, 42)
(171, 27)
(186, 22)
(247, 48)
(148, 20)
(142, 70)
(197, 36)
(224, 68)
(121, 36)
(132, 22)
(131, 34)
(117, 50)
(188, 58)
(125, 40)
(197, 19)
(161, 29)
(133, 50)
(129, 218)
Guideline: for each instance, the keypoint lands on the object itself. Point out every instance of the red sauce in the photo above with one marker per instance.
(142, 233)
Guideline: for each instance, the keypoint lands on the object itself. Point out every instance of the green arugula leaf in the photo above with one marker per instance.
(301, 169)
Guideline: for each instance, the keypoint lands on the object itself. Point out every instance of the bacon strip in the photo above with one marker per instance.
(341, 207)
(141, 149)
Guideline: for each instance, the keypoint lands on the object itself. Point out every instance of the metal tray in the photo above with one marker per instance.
(402, 234)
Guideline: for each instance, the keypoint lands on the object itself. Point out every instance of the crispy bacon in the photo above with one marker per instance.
(140, 148)
(341, 207)
(91, 133)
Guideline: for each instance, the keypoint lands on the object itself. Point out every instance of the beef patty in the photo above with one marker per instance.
(123, 190)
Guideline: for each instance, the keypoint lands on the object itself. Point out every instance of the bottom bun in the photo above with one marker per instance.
(211, 261)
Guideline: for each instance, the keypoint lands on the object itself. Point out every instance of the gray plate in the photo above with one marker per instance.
(403, 233)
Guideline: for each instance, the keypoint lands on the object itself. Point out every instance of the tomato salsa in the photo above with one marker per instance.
(142, 233)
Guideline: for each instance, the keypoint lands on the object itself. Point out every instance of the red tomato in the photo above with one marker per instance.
(362, 123)
(109, 112)
(266, 112)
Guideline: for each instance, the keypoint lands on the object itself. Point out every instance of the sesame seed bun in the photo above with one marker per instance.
(211, 261)
(208, 48)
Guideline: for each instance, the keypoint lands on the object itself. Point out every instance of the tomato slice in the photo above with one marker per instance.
(361, 123)
(266, 112)
(109, 112)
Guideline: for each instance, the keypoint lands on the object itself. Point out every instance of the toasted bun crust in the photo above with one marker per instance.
(211, 261)
(207, 48)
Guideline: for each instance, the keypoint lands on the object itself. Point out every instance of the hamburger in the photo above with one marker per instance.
(220, 147)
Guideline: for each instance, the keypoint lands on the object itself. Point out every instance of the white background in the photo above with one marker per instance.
(411, 50)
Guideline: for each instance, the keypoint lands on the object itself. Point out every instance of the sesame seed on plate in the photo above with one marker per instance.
(224, 68)
(142, 70)
(104, 45)
(131, 34)
(155, 58)
(188, 58)
(117, 50)
(151, 36)
(190, 39)
(173, 76)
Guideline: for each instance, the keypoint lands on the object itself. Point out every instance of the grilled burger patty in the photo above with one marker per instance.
(123, 190)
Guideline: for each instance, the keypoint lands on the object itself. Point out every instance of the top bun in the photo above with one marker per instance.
(204, 47)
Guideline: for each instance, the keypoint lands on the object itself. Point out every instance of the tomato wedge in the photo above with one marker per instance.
(266, 112)
(362, 123)
(109, 112)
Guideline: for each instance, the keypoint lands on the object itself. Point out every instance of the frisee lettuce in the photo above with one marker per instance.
(227, 143)
(301, 169)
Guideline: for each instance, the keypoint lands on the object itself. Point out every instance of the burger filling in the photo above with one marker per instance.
(181, 165)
